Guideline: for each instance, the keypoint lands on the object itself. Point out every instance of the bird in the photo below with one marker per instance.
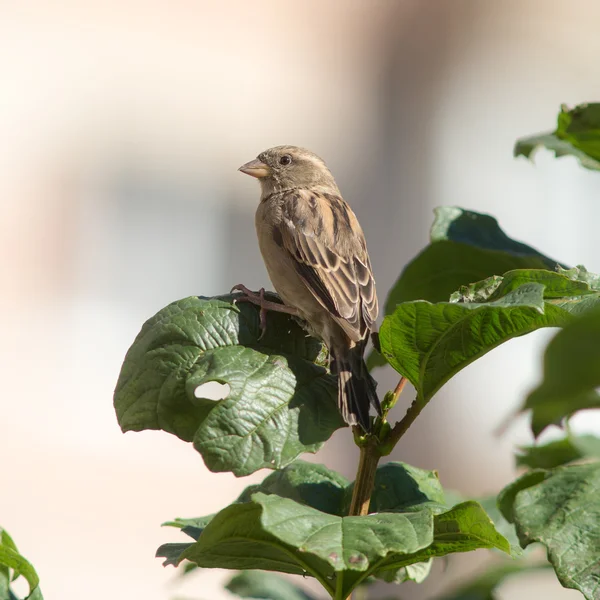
(316, 256)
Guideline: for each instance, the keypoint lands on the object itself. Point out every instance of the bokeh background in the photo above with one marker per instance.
(122, 125)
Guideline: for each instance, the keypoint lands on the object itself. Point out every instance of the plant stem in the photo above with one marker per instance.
(371, 450)
(401, 427)
(370, 453)
(398, 390)
(363, 488)
(365, 477)
(339, 586)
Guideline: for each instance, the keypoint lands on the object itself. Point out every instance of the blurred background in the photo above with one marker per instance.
(122, 125)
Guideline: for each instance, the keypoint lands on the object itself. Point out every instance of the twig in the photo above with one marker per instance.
(365, 477)
(372, 448)
(401, 427)
(370, 453)
(398, 389)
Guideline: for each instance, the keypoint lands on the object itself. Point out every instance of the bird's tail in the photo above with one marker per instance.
(356, 387)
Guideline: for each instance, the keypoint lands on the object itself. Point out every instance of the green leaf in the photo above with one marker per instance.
(479, 230)
(577, 134)
(580, 273)
(282, 401)
(266, 586)
(307, 483)
(398, 487)
(506, 498)
(563, 289)
(503, 527)
(430, 343)
(588, 445)
(571, 374)
(401, 487)
(464, 528)
(274, 533)
(558, 452)
(13, 565)
(278, 534)
(172, 553)
(417, 572)
(560, 509)
(465, 247)
(192, 527)
(272, 523)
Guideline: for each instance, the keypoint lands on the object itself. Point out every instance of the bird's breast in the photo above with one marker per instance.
(281, 268)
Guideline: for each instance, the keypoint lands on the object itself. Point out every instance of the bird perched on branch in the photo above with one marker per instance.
(316, 256)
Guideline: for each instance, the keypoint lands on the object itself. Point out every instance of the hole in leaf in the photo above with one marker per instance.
(212, 390)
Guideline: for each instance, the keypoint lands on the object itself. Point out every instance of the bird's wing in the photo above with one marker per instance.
(323, 236)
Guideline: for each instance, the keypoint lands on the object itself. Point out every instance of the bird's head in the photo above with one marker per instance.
(289, 167)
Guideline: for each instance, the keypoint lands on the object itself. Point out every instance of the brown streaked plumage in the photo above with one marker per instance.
(316, 255)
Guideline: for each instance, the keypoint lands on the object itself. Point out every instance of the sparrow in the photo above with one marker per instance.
(316, 255)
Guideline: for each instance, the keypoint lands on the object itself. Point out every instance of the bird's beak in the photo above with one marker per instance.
(255, 168)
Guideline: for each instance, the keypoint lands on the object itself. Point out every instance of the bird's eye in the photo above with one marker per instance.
(286, 159)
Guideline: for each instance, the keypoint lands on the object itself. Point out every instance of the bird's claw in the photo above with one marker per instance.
(256, 298)
(265, 305)
(262, 318)
(242, 288)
